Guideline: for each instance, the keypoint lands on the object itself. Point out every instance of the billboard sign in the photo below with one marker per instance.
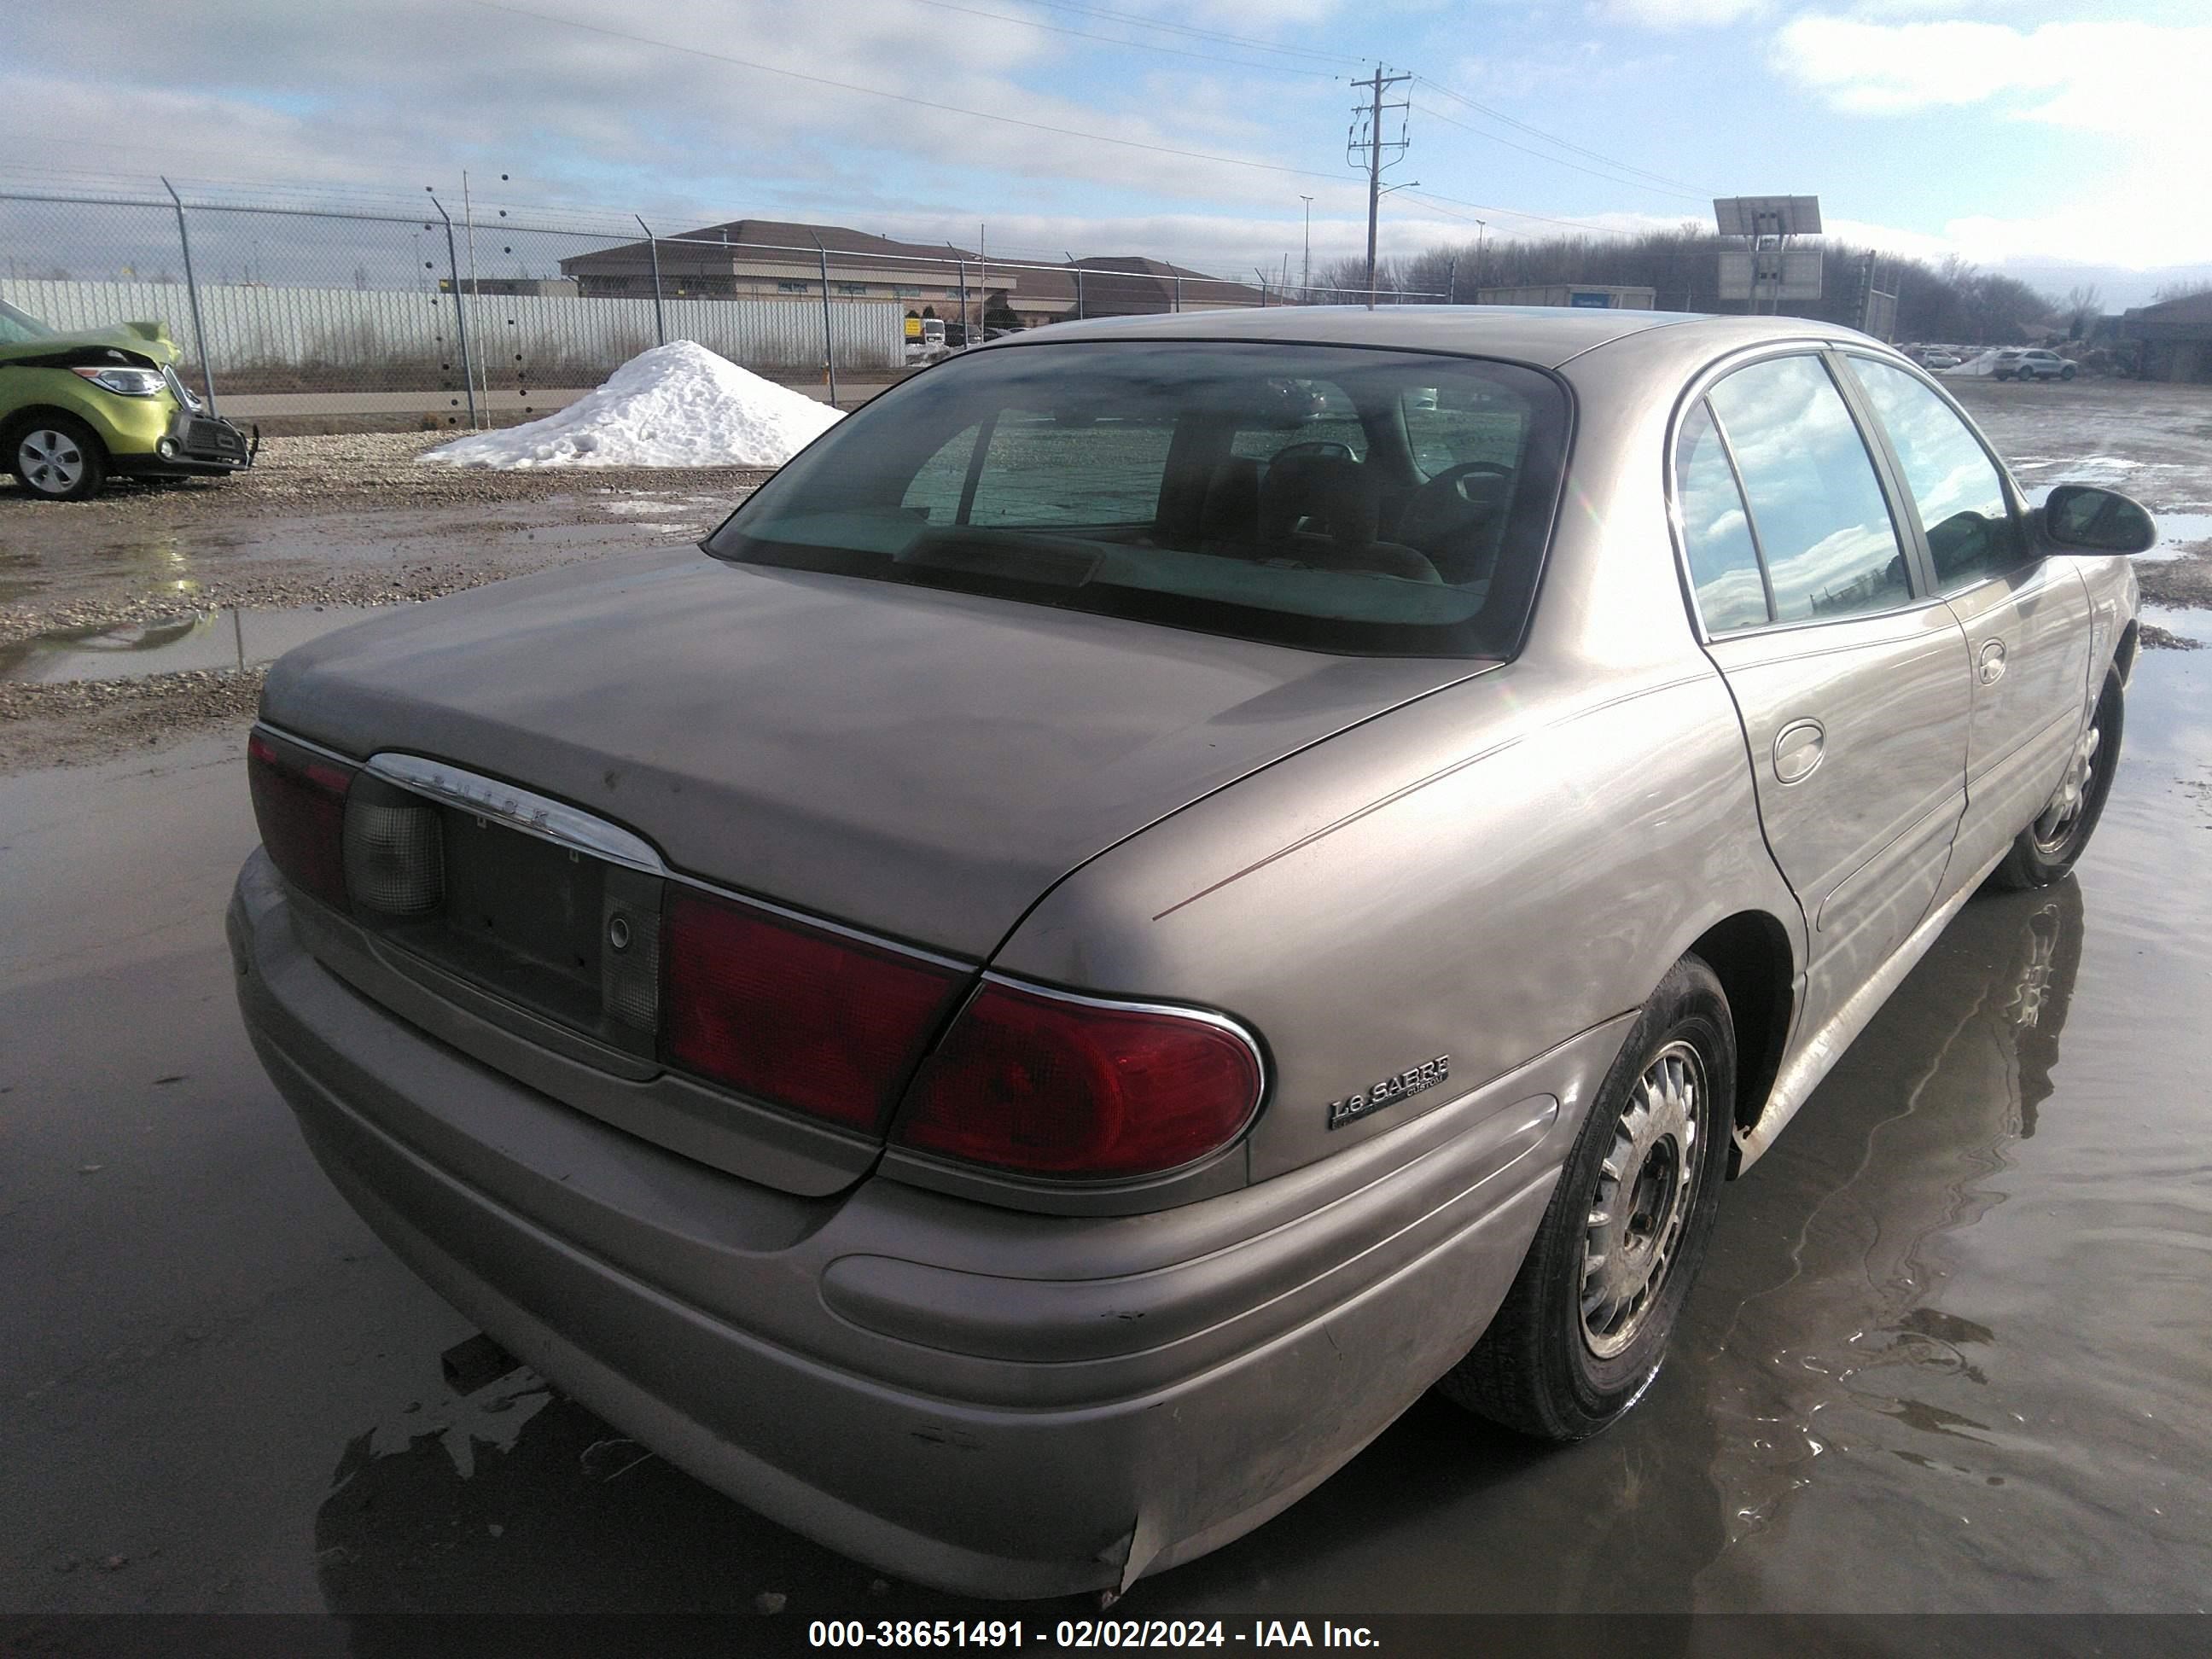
(1600, 301)
(1767, 216)
(1770, 274)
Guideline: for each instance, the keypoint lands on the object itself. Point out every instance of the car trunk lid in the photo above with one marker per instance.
(917, 765)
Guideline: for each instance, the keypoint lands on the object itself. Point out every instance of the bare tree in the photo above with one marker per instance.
(2183, 290)
(2083, 301)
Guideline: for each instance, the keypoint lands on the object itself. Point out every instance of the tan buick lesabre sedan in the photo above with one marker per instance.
(1167, 886)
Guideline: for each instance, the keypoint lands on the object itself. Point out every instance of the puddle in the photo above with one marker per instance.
(2177, 531)
(2194, 625)
(233, 639)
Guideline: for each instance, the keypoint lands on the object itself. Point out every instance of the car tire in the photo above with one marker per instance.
(2066, 373)
(2043, 851)
(2001, 374)
(56, 458)
(1634, 1207)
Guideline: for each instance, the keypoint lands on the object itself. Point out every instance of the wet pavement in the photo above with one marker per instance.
(48, 561)
(192, 640)
(1947, 1353)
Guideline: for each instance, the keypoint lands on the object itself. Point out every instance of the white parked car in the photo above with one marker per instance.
(2036, 365)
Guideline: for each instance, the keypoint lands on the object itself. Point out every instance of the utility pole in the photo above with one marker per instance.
(1305, 272)
(1374, 146)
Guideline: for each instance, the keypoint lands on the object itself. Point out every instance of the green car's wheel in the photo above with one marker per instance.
(56, 458)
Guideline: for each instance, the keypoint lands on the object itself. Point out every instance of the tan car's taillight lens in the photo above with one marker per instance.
(1047, 1086)
(299, 804)
(795, 1015)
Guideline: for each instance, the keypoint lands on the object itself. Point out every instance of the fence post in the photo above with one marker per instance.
(1178, 293)
(653, 246)
(460, 320)
(828, 340)
(193, 292)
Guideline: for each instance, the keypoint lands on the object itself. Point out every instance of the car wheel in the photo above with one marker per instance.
(2066, 373)
(1580, 1333)
(56, 458)
(2002, 373)
(2045, 851)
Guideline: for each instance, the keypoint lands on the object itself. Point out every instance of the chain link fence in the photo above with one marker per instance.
(465, 315)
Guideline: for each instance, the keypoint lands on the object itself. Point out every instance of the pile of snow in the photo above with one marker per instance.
(1973, 367)
(678, 405)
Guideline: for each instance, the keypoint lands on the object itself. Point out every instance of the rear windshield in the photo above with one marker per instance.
(1375, 503)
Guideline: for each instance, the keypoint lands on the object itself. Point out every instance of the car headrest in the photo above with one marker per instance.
(1339, 494)
(1230, 512)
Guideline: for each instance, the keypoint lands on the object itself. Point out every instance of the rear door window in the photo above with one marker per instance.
(1815, 502)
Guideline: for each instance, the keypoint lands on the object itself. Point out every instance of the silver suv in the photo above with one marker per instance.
(2034, 366)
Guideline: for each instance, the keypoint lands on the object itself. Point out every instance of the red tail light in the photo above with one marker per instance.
(299, 801)
(794, 1015)
(1051, 1086)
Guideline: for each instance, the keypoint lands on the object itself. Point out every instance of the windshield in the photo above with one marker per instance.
(17, 326)
(1375, 503)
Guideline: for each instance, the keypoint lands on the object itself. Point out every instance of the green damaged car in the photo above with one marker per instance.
(79, 408)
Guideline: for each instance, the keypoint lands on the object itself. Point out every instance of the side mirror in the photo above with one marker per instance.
(2097, 520)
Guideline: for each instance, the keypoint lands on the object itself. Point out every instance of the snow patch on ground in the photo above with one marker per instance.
(1973, 368)
(678, 405)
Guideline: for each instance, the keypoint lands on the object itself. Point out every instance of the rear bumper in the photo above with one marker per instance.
(1002, 1404)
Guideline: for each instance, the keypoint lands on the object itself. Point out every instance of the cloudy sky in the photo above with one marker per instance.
(2026, 135)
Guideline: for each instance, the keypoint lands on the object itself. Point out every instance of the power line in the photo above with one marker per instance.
(1556, 160)
(1511, 213)
(1553, 138)
(1135, 46)
(898, 97)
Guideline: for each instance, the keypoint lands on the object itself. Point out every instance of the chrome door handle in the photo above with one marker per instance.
(1797, 751)
(1992, 662)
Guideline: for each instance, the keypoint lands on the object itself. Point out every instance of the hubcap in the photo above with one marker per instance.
(51, 461)
(1644, 1192)
(2058, 819)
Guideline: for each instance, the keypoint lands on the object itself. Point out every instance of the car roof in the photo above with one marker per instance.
(1546, 336)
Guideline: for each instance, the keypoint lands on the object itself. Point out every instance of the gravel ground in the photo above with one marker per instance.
(352, 469)
(326, 521)
(86, 720)
(2185, 582)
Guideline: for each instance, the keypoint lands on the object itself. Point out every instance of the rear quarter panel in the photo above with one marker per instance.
(1483, 873)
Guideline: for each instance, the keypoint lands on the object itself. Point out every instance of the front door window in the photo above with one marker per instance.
(1955, 485)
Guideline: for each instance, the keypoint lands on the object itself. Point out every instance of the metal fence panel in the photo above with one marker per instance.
(462, 303)
(288, 339)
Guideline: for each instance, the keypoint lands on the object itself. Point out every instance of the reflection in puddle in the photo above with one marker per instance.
(203, 640)
(1906, 1149)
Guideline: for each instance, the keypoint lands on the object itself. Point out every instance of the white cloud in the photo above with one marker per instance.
(2138, 80)
(428, 86)
(1681, 13)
